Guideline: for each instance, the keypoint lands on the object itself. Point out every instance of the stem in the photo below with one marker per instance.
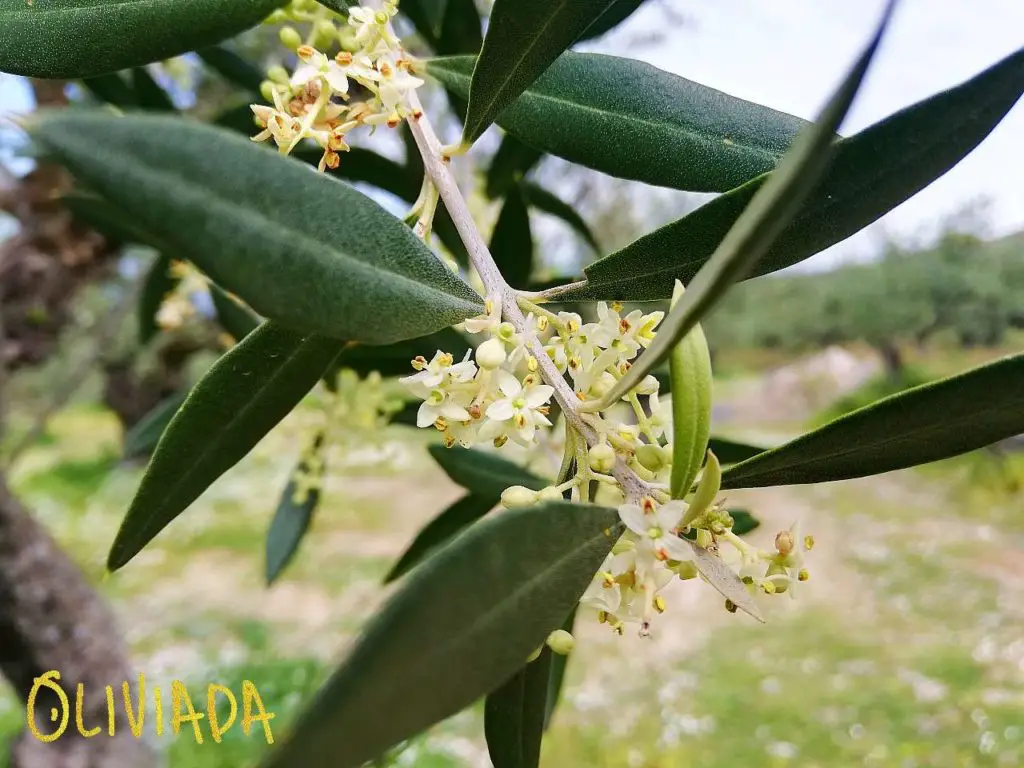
(435, 162)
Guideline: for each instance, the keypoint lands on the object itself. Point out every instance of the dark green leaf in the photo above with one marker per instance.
(550, 203)
(732, 452)
(108, 220)
(510, 163)
(934, 421)
(238, 320)
(514, 715)
(769, 212)
(158, 283)
(617, 13)
(111, 89)
(241, 398)
(871, 173)
(511, 241)
(255, 222)
(101, 36)
(440, 531)
(743, 522)
(148, 94)
(557, 676)
(634, 121)
(523, 38)
(455, 631)
(233, 68)
(483, 473)
(295, 510)
(142, 438)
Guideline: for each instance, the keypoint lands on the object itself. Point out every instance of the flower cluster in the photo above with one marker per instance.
(497, 394)
(177, 306)
(316, 101)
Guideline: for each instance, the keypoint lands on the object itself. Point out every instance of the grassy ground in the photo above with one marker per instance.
(905, 649)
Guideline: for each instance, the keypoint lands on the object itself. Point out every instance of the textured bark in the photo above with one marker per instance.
(51, 619)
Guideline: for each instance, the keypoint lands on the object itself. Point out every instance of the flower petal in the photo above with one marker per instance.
(634, 518)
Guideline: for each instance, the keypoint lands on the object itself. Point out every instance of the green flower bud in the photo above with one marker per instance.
(609, 495)
(267, 90)
(278, 74)
(602, 458)
(648, 385)
(290, 38)
(324, 33)
(651, 457)
(276, 17)
(518, 496)
(561, 642)
(348, 39)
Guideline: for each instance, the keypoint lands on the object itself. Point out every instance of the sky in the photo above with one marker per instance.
(791, 54)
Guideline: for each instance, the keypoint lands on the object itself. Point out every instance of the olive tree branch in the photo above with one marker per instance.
(435, 162)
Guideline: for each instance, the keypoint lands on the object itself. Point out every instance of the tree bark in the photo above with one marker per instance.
(51, 619)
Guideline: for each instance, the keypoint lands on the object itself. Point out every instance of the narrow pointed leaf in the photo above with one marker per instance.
(617, 13)
(523, 38)
(690, 366)
(514, 715)
(238, 320)
(108, 220)
(439, 531)
(512, 241)
(294, 511)
(257, 224)
(142, 438)
(871, 173)
(771, 209)
(483, 473)
(437, 646)
(232, 68)
(148, 93)
(928, 423)
(239, 400)
(550, 203)
(102, 36)
(510, 164)
(731, 451)
(634, 121)
(112, 89)
(158, 283)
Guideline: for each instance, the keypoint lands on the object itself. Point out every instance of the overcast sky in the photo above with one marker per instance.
(790, 54)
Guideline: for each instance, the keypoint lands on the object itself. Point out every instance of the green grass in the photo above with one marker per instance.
(903, 653)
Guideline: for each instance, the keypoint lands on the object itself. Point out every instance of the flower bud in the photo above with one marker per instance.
(561, 642)
(518, 496)
(325, 32)
(648, 386)
(784, 542)
(602, 458)
(551, 493)
(609, 495)
(290, 38)
(602, 385)
(278, 74)
(651, 457)
(490, 354)
(267, 90)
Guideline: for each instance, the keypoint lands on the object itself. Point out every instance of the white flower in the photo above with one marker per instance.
(396, 83)
(654, 526)
(434, 373)
(523, 406)
(604, 593)
(488, 321)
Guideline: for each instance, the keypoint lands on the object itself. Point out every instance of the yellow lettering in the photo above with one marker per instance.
(47, 680)
(129, 710)
(178, 691)
(79, 698)
(110, 709)
(251, 696)
(211, 710)
(159, 710)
